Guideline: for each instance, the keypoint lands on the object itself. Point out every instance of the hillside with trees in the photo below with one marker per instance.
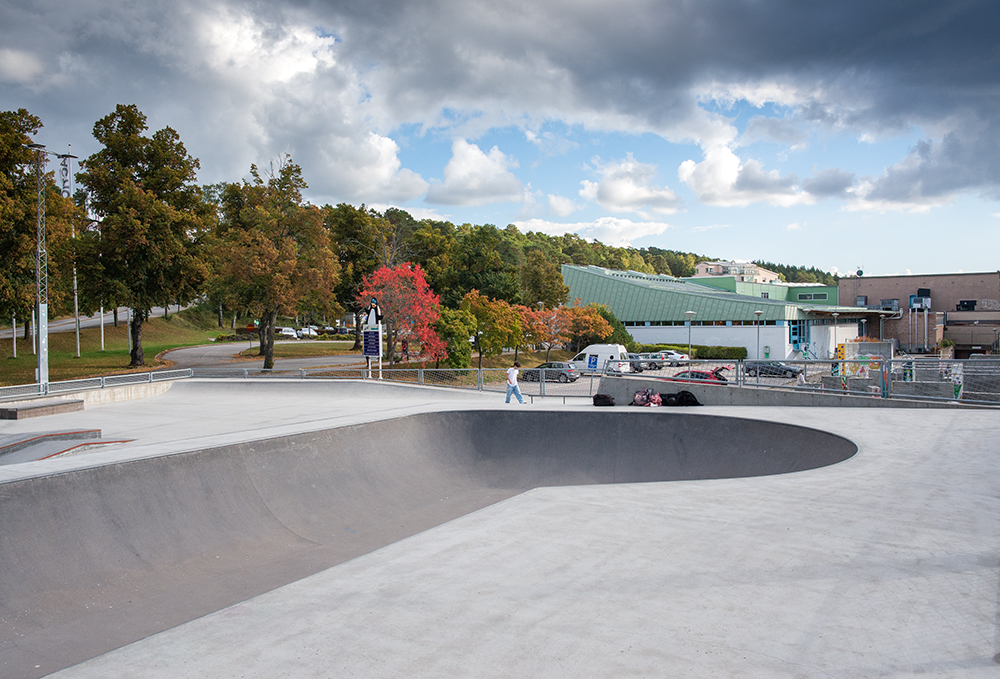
(142, 233)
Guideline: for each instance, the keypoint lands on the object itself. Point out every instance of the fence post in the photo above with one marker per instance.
(149, 377)
(102, 382)
(245, 374)
(480, 379)
(420, 375)
(302, 373)
(541, 382)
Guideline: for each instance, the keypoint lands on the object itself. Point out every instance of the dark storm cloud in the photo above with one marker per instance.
(633, 65)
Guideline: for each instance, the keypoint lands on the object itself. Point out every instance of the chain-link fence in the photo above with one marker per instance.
(968, 381)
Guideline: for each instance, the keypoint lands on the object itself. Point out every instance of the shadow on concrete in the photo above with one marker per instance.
(93, 559)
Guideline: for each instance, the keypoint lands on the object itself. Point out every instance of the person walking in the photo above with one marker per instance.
(512, 387)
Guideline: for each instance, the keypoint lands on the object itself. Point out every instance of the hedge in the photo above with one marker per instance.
(699, 351)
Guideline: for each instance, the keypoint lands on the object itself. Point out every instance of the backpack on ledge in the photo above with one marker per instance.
(603, 400)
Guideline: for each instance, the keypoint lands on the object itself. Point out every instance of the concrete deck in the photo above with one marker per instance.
(884, 564)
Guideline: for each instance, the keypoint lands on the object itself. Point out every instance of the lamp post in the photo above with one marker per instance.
(756, 322)
(975, 324)
(835, 314)
(690, 315)
(42, 270)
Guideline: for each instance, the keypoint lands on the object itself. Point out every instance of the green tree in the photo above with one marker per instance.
(272, 251)
(498, 325)
(486, 261)
(18, 224)
(542, 282)
(146, 249)
(456, 327)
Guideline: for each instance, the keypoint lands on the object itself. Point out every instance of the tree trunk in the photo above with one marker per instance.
(166, 311)
(220, 317)
(262, 335)
(548, 348)
(515, 352)
(116, 315)
(27, 330)
(272, 317)
(138, 359)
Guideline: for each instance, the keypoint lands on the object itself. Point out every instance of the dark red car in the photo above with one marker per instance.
(702, 375)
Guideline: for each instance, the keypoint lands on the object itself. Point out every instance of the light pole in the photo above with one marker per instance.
(756, 322)
(975, 324)
(42, 270)
(690, 315)
(835, 314)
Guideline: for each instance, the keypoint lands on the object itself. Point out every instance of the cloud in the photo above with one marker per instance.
(709, 227)
(19, 67)
(785, 131)
(794, 226)
(830, 183)
(628, 186)
(561, 206)
(472, 177)
(608, 230)
(721, 179)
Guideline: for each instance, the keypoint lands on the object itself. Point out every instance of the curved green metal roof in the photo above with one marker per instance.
(636, 296)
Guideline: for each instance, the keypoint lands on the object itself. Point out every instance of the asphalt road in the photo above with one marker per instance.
(69, 324)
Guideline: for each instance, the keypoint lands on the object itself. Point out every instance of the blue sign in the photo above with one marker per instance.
(371, 339)
(592, 362)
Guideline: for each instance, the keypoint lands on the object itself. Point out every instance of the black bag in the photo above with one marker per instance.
(686, 398)
(603, 400)
(681, 398)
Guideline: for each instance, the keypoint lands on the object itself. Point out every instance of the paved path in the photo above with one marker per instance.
(884, 565)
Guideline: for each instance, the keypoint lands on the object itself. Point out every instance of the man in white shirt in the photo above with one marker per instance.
(512, 387)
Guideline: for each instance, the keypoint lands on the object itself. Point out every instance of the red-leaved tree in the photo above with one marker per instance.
(409, 306)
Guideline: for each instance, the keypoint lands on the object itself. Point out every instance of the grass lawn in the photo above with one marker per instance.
(304, 349)
(158, 335)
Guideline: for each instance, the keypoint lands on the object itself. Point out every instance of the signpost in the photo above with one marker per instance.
(371, 341)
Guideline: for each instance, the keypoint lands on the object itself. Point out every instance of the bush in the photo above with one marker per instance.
(698, 351)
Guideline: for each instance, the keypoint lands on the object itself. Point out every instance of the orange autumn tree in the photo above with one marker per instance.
(409, 307)
(587, 326)
(498, 325)
(553, 327)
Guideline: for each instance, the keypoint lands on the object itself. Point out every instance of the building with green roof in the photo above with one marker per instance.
(655, 310)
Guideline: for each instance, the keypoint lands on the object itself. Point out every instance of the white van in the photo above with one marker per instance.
(594, 358)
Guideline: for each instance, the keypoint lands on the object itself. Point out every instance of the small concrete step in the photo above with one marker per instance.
(22, 411)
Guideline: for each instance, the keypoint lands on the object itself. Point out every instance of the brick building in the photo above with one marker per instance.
(961, 307)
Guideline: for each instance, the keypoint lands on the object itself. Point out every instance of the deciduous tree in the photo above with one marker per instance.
(147, 247)
(498, 325)
(273, 252)
(409, 307)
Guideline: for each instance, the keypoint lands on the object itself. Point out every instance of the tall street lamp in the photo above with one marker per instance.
(42, 270)
(835, 314)
(756, 322)
(690, 315)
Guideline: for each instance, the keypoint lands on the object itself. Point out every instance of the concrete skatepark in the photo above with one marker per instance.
(314, 529)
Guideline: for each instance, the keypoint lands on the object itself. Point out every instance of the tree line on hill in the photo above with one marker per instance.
(142, 233)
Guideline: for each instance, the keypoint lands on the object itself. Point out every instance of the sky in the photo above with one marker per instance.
(847, 135)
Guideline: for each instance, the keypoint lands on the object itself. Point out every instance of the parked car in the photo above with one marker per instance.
(286, 333)
(555, 371)
(672, 358)
(307, 331)
(638, 365)
(702, 375)
(773, 368)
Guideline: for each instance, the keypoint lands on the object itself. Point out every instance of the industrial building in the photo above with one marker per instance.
(963, 308)
(660, 309)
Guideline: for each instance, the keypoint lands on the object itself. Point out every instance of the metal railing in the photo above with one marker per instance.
(89, 384)
(974, 381)
(968, 381)
(534, 382)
